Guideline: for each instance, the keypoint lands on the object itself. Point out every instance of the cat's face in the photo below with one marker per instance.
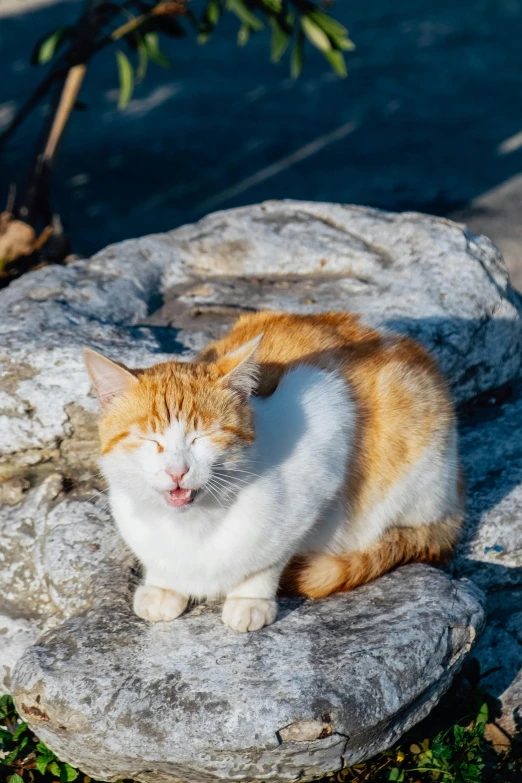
(175, 432)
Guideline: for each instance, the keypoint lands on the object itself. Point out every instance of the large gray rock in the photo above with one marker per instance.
(409, 272)
(491, 450)
(331, 683)
(57, 553)
(491, 549)
(145, 299)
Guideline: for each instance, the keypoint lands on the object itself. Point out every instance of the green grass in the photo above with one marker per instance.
(451, 746)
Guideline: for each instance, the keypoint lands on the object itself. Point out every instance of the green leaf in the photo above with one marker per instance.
(151, 41)
(245, 14)
(42, 748)
(483, 715)
(243, 35)
(394, 773)
(19, 730)
(54, 769)
(333, 29)
(345, 44)
(315, 35)
(16, 778)
(45, 49)
(336, 60)
(12, 756)
(273, 5)
(280, 40)
(143, 61)
(126, 75)
(213, 12)
(71, 772)
(328, 24)
(296, 62)
(458, 732)
(41, 764)
(6, 705)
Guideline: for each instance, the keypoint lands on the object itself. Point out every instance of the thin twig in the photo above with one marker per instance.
(68, 98)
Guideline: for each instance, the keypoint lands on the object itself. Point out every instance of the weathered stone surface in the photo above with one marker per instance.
(491, 448)
(57, 553)
(143, 300)
(331, 682)
(491, 549)
(409, 272)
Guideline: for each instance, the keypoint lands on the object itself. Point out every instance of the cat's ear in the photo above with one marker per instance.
(240, 368)
(109, 379)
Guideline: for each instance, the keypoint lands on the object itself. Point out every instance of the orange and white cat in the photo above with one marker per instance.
(307, 454)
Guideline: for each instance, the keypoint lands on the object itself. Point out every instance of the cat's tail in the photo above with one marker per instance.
(317, 575)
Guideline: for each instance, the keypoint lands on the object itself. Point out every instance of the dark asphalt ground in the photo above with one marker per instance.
(429, 119)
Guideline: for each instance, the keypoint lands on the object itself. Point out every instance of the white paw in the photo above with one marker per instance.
(157, 604)
(249, 614)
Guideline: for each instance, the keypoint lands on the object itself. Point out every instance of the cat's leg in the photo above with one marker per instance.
(252, 604)
(158, 604)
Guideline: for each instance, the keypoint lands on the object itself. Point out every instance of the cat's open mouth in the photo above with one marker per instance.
(180, 497)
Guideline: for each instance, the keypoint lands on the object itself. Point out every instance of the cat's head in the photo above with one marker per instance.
(176, 431)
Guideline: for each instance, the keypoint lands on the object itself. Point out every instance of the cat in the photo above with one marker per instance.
(304, 454)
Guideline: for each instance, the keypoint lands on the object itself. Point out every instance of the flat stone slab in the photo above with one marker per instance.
(331, 683)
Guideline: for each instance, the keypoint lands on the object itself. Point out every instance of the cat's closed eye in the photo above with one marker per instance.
(158, 445)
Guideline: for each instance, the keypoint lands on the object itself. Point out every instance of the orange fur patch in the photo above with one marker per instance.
(196, 392)
(319, 574)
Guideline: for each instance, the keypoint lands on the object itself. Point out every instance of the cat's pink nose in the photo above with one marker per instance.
(177, 474)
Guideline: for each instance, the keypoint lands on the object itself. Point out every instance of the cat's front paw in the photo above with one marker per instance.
(249, 614)
(157, 604)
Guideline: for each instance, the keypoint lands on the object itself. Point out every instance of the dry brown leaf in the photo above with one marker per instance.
(17, 239)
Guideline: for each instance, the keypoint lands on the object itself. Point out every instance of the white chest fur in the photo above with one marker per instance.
(298, 462)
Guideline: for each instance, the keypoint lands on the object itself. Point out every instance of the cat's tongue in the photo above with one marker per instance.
(179, 497)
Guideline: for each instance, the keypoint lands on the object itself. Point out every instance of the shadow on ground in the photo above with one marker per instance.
(428, 119)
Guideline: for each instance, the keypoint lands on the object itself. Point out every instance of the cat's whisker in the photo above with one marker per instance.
(224, 488)
(230, 480)
(214, 495)
(240, 470)
(238, 482)
(225, 492)
(227, 488)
